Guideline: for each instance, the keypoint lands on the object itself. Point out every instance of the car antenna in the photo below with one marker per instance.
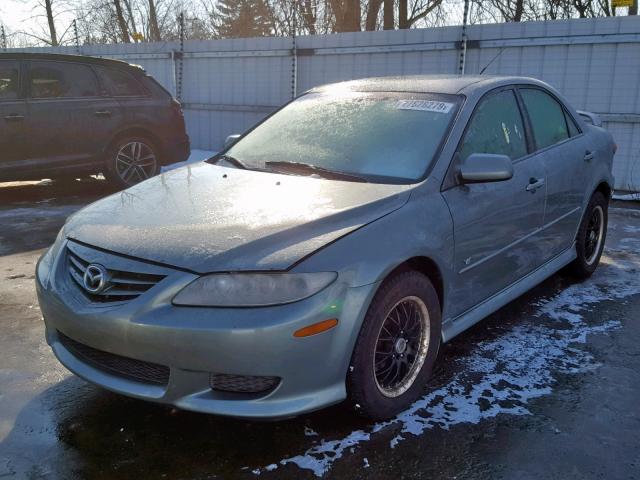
(491, 61)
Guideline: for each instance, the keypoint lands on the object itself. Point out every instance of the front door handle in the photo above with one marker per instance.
(534, 184)
(14, 117)
(588, 156)
(102, 113)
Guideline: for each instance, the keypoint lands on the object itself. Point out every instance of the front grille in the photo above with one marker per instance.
(242, 383)
(130, 368)
(120, 285)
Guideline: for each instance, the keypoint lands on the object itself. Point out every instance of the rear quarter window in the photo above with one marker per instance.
(547, 117)
(119, 83)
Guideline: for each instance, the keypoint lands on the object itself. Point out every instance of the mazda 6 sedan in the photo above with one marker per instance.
(327, 254)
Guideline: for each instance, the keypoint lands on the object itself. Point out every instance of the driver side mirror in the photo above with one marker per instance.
(231, 139)
(486, 167)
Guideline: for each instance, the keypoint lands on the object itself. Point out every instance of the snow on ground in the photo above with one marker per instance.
(196, 156)
(502, 375)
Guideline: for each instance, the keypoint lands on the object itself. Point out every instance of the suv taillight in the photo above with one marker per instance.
(176, 107)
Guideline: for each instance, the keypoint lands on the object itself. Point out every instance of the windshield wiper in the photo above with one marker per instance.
(229, 159)
(314, 169)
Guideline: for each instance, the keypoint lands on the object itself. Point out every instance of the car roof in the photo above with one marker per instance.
(65, 57)
(449, 84)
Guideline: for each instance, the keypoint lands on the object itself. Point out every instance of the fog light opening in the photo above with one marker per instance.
(316, 328)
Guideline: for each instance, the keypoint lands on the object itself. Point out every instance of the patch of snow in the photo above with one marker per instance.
(310, 432)
(503, 374)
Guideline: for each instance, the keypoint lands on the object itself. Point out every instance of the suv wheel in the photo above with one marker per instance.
(397, 347)
(591, 236)
(131, 160)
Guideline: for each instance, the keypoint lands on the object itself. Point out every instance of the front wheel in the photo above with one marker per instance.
(131, 160)
(396, 348)
(591, 237)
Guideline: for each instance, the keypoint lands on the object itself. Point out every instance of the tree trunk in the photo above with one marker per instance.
(153, 22)
(388, 21)
(52, 25)
(372, 15)
(517, 16)
(633, 9)
(132, 19)
(122, 23)
(403, 19)
(309, 16)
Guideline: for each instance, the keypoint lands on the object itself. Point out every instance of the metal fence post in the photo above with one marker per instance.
(294, 56)
(463, 48)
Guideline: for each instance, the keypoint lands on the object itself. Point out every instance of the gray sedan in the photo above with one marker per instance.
(328, 253)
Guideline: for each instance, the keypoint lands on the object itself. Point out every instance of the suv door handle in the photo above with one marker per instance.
(588, 156)
(534, 184)
(102, 113)
(14, 117)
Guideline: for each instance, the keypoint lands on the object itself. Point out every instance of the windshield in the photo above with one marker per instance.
(378, 137)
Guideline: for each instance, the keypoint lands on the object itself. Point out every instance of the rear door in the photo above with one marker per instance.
(564, 151)
(63, 100)
(495, 224)
(13, 116)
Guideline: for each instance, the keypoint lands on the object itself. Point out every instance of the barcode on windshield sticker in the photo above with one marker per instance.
(424, 105)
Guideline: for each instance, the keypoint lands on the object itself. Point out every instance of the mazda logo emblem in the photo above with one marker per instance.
(95, 278)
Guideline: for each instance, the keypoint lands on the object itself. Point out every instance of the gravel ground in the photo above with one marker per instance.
(547, 387)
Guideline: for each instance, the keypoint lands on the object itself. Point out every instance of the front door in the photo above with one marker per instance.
(495, 224)
(13, 116)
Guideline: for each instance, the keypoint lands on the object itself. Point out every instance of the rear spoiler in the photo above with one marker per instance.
(589, 117)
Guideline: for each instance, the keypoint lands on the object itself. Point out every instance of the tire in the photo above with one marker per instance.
(382, 341)
(131, 160)
(591, 237)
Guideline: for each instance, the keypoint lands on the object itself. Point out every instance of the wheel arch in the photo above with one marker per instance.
(604, 188)
(429, 268)
(134, 131)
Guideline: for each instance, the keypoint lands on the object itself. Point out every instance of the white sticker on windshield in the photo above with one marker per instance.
(424, 105)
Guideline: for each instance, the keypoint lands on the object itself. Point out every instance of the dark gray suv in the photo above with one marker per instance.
(64, 116)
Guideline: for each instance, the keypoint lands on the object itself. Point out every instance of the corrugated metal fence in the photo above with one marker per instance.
(228, 85)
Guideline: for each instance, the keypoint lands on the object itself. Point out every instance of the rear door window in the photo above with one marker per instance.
(9, 79)
(119, 83)
(547, 117)
(61, 80)
(496, 127)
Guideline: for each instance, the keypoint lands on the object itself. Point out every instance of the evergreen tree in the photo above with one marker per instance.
(243, 18)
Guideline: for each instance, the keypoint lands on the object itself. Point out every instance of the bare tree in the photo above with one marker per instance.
(122, 23)
(51, 22)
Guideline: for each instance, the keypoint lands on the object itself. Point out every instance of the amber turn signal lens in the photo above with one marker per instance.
(316, 328)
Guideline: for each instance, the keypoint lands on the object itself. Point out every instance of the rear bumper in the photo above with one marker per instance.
(195, 342)
(178, 151)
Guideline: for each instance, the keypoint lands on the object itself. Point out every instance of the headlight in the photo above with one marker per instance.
(252, 289)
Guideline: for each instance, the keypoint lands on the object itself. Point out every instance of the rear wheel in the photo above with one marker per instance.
(591, 237)
(131, 160)
(397, 347)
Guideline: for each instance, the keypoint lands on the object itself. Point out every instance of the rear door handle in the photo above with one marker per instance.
(534, 184)
(103, 113)
(588, 156)
(14, 118)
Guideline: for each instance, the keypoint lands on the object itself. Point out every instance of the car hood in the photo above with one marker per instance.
(208, 218)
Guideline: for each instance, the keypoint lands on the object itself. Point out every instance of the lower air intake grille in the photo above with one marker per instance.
(242, 383)
(137, 370)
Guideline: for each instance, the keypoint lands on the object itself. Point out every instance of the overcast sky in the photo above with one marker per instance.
(28, 15)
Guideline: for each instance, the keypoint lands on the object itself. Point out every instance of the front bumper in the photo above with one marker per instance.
(194, 342)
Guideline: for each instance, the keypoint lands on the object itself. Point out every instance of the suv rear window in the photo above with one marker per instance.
(120, 83)
(9, 80)
(61, 79)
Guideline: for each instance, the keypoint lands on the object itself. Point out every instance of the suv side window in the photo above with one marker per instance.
(547, 117)
(9, 80)
(61, 80)
(119, 83)
(496, 127)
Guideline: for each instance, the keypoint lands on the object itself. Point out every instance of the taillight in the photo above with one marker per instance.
(176, 107)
